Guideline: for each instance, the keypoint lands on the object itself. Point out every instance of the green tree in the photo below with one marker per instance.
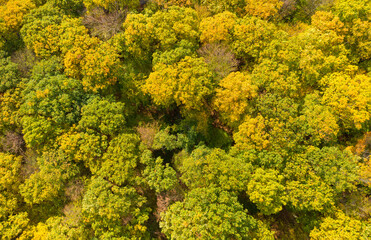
(102, 116)
(159, 176)
(9, 74)
(120, 161)
(267, 191)
(207, 167)
(47, 184)
(208, 213)
(114, 212)
(50, 105)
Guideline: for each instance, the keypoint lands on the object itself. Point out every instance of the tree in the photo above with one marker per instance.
(220, 59)
(267, 191)
(277, 78)
(318, 123)
(208, 213)
(159, 176)
(207, 167)
(47, 184)
(317, 177)
(111, 4)
(12, 220)
(114, 212)
(96, 64)
(186, 83)
(218, 28)
(264, 9)
(87, 148)
(233, 95)
(120, 161)
(349, 97)
(11, 16)
(173, 25)
(252, 134)
(224, 5)
(251, 35)
(102, 116)
(40, 30)
(138, 36)
(9, 74)
(50, 105)
(339, 225)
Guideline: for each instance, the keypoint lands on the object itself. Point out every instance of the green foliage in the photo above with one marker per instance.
(208, 213)
(239, 105)
(50, 105)
(102, 116)
(120, 160)
(158, 175)
(207, 167)
(267, 191)
(9, 74)
(114, 212)
(38, 31)
(47, 183)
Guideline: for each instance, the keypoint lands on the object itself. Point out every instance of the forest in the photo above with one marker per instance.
(185, 119)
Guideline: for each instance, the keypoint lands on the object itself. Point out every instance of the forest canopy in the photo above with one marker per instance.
(185, 119)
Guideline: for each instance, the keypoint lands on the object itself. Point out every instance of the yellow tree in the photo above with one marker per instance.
(233, 96)
(251, 35)
(349, 97)
(138, 35)
(95, 63)
(217, 28)
(264, 9)
(252, 134)
(185, 83)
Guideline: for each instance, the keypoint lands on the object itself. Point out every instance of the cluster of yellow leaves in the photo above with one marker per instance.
(233, 95)
(217, 28)
(185, 83)
(168, 3)
(111, 4)
(341, 225)
(12, 14)
(93, 62)
(9, 105)
(349, 98)
(138, 35)
(263, 8)
(84, 147)
(252, 134)
(327, 21)
(251, 35)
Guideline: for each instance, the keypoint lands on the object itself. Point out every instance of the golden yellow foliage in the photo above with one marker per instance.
(12, 14)
(185, 83)
(349, 97)
(217, 28)
(233, 95)
(252, 134)
(263, 8)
